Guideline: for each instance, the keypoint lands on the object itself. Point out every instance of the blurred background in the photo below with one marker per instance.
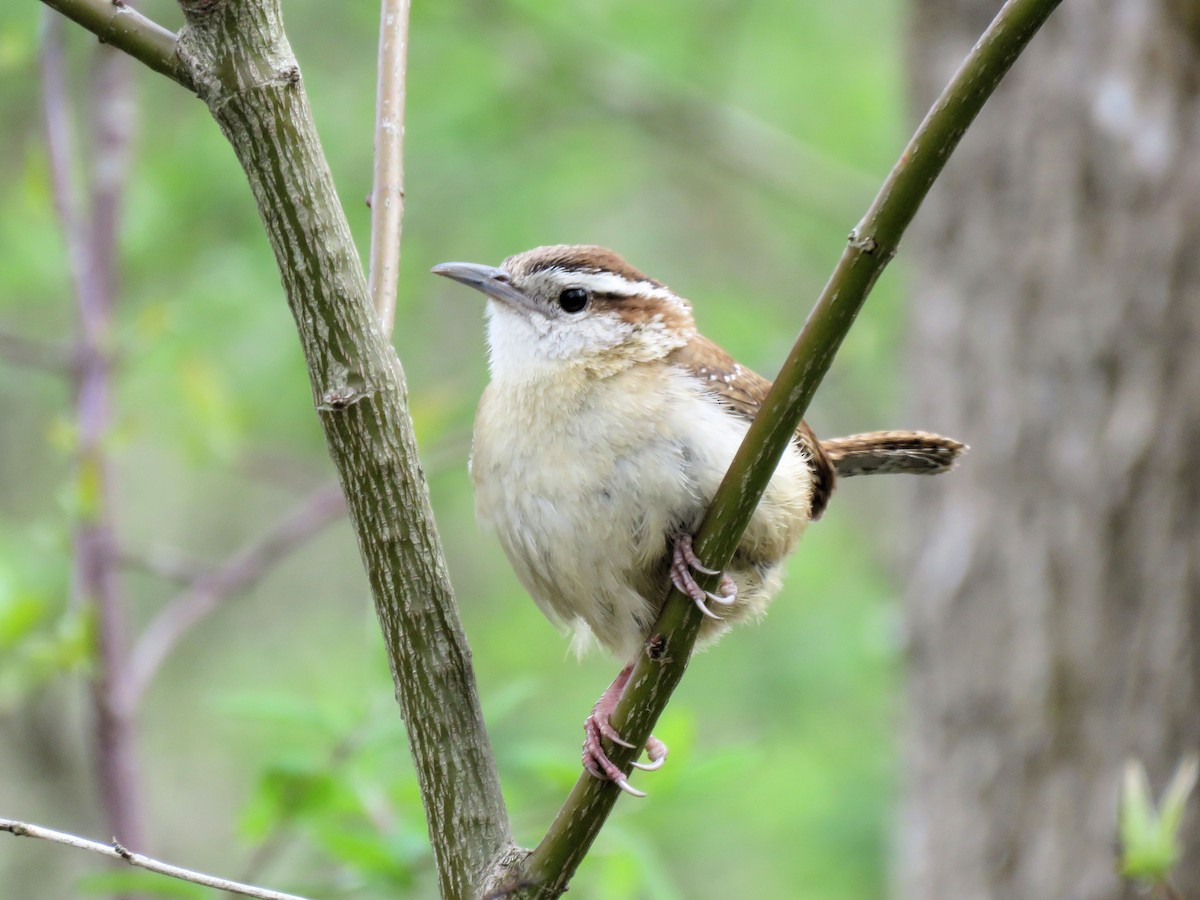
(725, 148)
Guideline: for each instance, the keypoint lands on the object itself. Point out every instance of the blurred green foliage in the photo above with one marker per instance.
(726, 148)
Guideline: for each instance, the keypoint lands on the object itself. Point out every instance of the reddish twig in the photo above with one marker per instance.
(91, 242)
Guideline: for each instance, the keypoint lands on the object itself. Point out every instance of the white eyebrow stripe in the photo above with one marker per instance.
(611, 283)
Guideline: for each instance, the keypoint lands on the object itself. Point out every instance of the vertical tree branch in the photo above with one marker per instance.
(387, 189)
(90, 231)
(871, 246)
(112, 127)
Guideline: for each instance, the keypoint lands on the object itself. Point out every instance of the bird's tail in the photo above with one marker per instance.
(884, 452)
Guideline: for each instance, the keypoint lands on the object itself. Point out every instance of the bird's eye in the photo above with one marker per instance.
(573, 299)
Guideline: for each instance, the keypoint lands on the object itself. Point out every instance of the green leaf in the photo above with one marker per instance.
(20, 614)
(1177, 792)
(369, 852)
(41, 657)
(286, 791)
(1150, 836)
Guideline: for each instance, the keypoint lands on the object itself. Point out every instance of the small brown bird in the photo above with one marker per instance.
(606, 429)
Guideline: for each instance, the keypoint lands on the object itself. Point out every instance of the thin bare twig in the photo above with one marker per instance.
(117, 851)
(387, 191)
(242, 570)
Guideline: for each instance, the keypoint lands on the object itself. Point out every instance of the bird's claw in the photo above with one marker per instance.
(596, 761)
(598, 727)
(683, 548)
(609, 732)
(656, 752)
(683, 562)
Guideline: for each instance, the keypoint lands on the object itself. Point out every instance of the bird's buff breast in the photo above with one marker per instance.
(583, 493)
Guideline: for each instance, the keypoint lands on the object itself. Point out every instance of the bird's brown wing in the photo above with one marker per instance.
(741, 391)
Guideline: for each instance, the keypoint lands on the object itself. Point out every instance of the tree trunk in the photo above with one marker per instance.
(1054, 610)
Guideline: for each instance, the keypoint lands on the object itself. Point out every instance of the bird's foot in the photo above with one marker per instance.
(597, 726)
(683, 561)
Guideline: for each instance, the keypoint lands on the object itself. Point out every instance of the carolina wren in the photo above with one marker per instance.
(606, 429)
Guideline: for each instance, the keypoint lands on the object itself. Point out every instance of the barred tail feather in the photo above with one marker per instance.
(885, 452)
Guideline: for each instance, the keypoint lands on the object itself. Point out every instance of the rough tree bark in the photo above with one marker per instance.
(1054, 612)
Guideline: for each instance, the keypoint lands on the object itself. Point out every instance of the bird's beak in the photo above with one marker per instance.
(494, 282)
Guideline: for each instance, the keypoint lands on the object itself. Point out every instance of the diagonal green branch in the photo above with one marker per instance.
(871, 246)
(116, 23)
